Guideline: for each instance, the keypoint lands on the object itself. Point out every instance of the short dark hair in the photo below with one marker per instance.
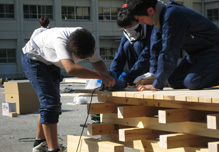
(139, 7)
(81, 43)
(124, 18)
(44, 21)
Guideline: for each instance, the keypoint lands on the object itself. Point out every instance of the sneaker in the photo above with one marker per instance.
(42, 147)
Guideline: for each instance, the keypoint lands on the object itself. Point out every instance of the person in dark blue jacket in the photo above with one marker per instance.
(134, 49)
(176, 27)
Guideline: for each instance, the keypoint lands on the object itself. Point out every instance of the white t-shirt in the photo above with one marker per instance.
(37, 31)
(50, 47)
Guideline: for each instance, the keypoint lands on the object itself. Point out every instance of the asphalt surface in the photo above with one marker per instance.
(17, 134)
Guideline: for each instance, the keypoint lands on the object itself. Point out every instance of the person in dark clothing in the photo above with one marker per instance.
(178, 27)
(133, 49)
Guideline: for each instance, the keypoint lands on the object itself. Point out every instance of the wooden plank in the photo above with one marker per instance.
(195, 128)
(92, 145)
(136, 111)
(205, 95)
(160, 103)
(213, 146)
(130, 134)
(152, 145)
(101, 129)
(215, 100)
(213, 121)
(180, 115)
(97, 108)
(182, 140)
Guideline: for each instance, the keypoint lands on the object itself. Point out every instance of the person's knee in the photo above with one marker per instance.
(192, 83)
(126, 46)
(50, 114)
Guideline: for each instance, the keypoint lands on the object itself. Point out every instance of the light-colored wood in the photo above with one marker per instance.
(213, 146)
(12, 114)
(101, 129)
(205, 95)
(184, 118)
(130, 134)
(213, 121)
(195, 128)
(182, 140)
(179, 115)
(92, 145)
(160, 103)
(136, 111)
(97, 108)
(152, 145)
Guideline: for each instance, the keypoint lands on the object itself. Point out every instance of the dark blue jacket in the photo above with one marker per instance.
(142, 64)
(180, 28)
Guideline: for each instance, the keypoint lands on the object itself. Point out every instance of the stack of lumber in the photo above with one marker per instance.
(157, 121)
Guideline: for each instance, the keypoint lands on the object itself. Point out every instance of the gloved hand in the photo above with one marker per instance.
(148, 78)
(120, 84)
(122, 75)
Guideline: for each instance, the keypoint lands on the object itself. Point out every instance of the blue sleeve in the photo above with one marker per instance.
(156, 47)
(174, 29)
(119, 60)
(142, 65)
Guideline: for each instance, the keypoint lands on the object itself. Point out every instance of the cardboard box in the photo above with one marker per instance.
(23, 94)
(8, 108)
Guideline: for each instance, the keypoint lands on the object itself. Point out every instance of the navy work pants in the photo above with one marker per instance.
(45, 79)
(196, 72)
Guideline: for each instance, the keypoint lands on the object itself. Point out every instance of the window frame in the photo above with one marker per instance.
(213, 17)
(82, 17)
(103, 15)
(40, 10)
(7, 56)
(5, 13)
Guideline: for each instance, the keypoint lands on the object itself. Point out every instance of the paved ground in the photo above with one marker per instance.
(17, 134)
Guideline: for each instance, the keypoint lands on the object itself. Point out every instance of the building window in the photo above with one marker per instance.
(37, 11)
(81, 13)
(7, 55)
(6, 11)
(106, 13)
(107, 53)
(213, 14)
(68, 12)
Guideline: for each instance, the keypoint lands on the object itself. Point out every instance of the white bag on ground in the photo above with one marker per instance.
(80, 100)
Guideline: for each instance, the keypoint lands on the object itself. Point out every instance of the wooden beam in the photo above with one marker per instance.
(152, 145)
(92, 145)
(182, 140)
(195, 128)
(158, 103)
(130, 134)
(97, 108)
(101, 129)
(180, 115)
(213, 121)
(136, 111)
(213, 146)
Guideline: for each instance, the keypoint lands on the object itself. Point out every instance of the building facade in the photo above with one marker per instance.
(19, 18)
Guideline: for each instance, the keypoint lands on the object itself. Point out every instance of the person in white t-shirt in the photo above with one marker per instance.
(44, 25)
(42, 58)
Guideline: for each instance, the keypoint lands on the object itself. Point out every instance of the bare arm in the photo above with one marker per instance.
(83, 72)
(100, 67)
